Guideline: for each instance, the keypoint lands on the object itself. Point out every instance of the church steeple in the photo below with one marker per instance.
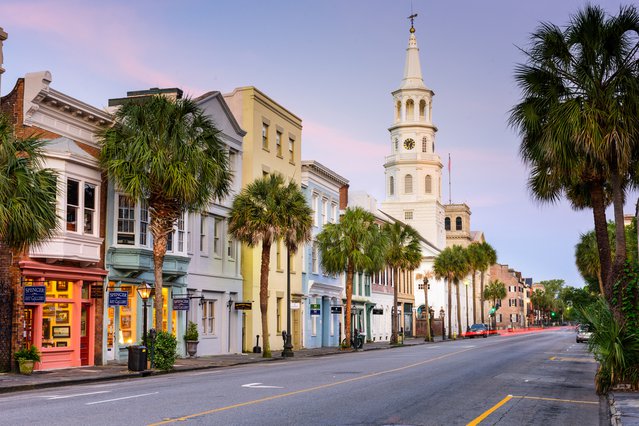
(412, 68)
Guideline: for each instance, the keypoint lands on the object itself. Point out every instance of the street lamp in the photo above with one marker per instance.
(145, 291)
(442, 315)
(428, 338)
(288, 346)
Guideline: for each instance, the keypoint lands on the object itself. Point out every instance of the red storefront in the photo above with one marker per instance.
(63, 328)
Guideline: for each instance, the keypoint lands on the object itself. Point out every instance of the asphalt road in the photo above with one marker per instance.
(541, 378)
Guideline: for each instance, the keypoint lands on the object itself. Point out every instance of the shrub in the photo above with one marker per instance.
(191, 331)
(30, 354)
(165, 351)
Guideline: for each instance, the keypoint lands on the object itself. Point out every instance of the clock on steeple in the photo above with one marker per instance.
(409, 144)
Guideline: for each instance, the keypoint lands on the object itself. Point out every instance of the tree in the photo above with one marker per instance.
(540, 302)
(169, 154)
(452, 265)
(495, 291)
(489, 258)
(353, 245)
(27, 211)
(577, 118)
(403, 253)
(266, 210)
(476, 260)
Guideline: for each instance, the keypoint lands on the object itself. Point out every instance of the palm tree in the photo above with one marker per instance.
(169, 154)
(578, 117)
(27, 210)
(451, 264)
(355, 244)
(489, 258)
(495, 291)
(476, 260)
(266, 210)
(403, 254)
(538, 299)
(587, 259)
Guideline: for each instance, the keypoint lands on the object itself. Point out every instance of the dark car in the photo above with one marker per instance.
(477, 330)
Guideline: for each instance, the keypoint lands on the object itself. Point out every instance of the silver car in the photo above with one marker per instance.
(583, 333)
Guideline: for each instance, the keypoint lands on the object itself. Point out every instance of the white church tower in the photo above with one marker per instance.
(413, 171)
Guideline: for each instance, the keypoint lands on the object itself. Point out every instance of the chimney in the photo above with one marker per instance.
(343, 197)
(3, 37)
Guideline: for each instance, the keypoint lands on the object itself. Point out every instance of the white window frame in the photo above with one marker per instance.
(315, 207)
(324, 211)
(204, 234)
(315, 258)
(208, 316)
(265, 136)
(334, 212)
(82, 211)
(278, 143)
(217, 236)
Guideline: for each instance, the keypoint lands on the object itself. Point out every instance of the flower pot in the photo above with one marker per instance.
(191, 347)
(26, 366)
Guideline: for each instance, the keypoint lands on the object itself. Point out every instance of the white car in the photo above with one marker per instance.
(583, 333)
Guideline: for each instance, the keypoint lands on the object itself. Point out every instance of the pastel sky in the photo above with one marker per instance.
(334, 63)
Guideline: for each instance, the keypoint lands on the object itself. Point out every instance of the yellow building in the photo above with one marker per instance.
(272, 144)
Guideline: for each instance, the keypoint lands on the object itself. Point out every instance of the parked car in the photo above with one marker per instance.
(583, 333)
(477, 330)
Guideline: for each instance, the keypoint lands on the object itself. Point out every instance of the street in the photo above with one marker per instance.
(526, 379)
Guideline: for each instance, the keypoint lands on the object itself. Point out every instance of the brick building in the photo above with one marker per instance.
(512, 312)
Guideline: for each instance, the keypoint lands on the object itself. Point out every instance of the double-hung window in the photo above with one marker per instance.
(208, 316)
(126, 221)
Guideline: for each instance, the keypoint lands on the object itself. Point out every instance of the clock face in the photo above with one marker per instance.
(409, 143)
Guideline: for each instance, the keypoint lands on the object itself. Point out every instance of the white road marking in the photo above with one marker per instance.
(205, 372)
(119, 399)
(71, 396)
(260, 386)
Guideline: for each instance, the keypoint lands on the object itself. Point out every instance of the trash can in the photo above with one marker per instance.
(137, 358)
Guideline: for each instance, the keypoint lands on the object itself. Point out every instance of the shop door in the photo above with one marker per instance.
(297, 335)
(28, 325)
(84, 334)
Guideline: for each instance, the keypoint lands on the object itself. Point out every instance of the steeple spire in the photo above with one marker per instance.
(412, 70)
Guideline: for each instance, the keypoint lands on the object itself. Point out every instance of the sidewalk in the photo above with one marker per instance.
(11, 382)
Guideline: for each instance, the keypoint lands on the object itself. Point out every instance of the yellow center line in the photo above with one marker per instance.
(557, 400)
(488, 412)
(552, 358)
(297, 392)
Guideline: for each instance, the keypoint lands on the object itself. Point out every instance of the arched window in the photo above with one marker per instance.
(410, 110)
(391, 185)
(433, 146)
(447, 224)
(408, 184)
(424, 144)
(428, 184)
(458, 224)
(422, 109)
(396, 145)
(398, 111)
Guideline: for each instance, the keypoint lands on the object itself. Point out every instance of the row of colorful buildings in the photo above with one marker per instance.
(91, 312)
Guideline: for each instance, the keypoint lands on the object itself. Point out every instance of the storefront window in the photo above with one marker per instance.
(57, 314)
(165, 313)
(127, 334)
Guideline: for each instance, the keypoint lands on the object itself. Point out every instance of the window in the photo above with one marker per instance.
(89, 208)
(278, 143)
(315, 258)
(424, 144)
(180, 233)
(291, 150)
(333, 212)
(391, 189)
(458, 223)
(73, 203)
(278, 314)
(315, 209)
(265, 136)
(314, 317)
(278, 254)
(232, 159)
(126, 221)
(324, 211)
(217, 233)
(208, 316)
(304, 258)
(428, 184)
(144, 223)
(396, 145)
(408, 215)
(408, 184)
(204, 233)
(231, 247)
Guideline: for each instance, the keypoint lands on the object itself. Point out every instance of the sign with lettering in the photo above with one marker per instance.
(378, 311)
(295, 305)
(118, 298)
(315, 309)
(35, 294)
(181, 304)
(96, 291)
(336, 309)
(243, 306)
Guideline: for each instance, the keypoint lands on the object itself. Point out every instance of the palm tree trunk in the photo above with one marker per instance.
(459, 327)
(17, 328)
(600, 281)
(395, 320)
(159, 251)
(474, 297)
(349, 299)
(467, 306)
(264, 268)
(620, 233)
(601, 234)
(481, 297)
(450, 303)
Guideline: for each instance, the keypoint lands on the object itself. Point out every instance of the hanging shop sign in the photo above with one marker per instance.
(336, 309)
(378, 311)
(243, 306)
(118, 298)
(181, 304)
(315, 309)
(96, 291)
(35, 294)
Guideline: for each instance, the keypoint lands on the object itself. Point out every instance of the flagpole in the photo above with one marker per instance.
(449, 185)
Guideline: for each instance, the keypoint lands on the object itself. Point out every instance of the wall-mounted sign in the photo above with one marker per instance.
(118, 298)
(35, 294)
(336, 309)
(295, 305)
(96, 291)
(181, 304)
(315, 309)
(243, 306)
(378, 311)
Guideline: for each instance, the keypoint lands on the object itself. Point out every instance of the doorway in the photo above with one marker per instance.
(85, 325)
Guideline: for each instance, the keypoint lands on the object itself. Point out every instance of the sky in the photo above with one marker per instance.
(334, 63)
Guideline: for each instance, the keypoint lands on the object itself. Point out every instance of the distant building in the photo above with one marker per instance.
(512, 312)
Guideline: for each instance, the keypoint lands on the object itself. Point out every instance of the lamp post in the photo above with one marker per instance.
(145, 291)
(288, 346)
(442, 315)
(428, 338)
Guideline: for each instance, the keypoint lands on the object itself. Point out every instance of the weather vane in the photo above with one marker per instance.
(412, 18)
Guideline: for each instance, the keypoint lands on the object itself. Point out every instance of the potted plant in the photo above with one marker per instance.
(191, 336)
(27, 357)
